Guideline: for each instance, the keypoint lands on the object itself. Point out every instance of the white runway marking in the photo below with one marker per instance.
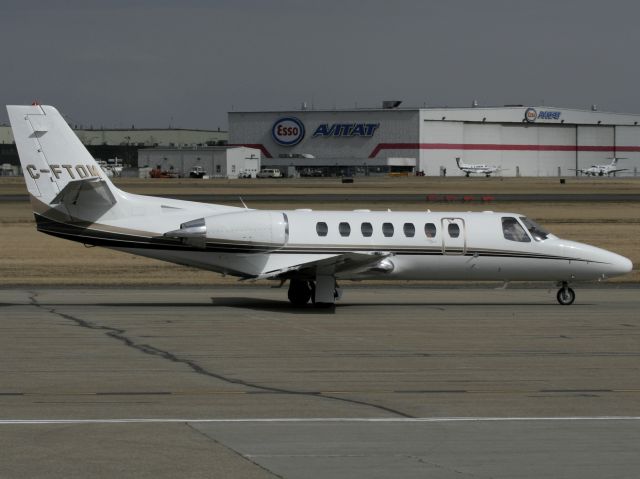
(315, 419)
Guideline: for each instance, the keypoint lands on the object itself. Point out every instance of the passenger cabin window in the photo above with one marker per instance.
(367, 229)
(454, 230)
(387, 230)
(409, 230)
(430, 230)
(344, 229)
(513, 231)
(321, 228)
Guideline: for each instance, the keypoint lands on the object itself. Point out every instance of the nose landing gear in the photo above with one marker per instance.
(566, 295)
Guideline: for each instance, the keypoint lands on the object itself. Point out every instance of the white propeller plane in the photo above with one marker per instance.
(602, 170)
(72, 198)
(486, 170)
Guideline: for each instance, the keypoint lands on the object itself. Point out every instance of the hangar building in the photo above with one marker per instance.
(521, 140)
(213, 161)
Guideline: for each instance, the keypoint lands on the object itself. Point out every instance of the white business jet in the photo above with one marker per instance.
(602, 170)
(485, 170)
(72, 198)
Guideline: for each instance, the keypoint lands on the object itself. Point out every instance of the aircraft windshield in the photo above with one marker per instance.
(537, 231)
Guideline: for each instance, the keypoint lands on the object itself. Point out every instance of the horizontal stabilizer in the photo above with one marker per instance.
(76, 189)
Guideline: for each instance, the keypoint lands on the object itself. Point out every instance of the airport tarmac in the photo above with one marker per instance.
(396, 382)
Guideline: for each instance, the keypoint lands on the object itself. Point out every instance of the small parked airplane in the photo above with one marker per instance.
(72, 198)
(602, 170)
(485, 170)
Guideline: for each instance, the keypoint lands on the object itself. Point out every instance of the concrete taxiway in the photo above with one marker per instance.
(233, 382)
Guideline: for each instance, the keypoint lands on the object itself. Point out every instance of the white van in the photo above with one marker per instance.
(269, 173)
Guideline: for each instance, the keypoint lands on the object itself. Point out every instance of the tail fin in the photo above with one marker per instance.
(57, 167)
(51, 154)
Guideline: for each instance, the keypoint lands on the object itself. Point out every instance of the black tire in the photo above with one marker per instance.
(299, 292)
(566, 296)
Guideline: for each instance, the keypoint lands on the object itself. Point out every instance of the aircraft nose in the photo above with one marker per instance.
(618, 265)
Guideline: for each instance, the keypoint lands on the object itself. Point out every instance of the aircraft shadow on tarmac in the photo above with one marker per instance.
(283, 306)
(266, 305)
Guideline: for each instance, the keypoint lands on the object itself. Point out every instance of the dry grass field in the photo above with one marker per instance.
(29, 257)
(364, 185)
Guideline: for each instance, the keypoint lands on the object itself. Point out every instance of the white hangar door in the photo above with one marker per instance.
(482, 144)
(628, 148)
(595, 145)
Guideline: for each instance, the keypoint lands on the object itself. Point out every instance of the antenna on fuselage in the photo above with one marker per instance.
(243, 203)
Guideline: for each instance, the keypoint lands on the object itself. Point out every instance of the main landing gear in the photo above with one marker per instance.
(300, 292)
(322, 292)
(566, 295)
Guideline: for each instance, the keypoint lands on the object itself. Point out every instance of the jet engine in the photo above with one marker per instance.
(251, 231)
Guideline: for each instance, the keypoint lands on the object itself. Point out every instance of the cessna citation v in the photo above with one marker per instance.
(72, 198)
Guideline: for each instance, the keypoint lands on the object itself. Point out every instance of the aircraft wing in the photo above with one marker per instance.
(338, 263)
(619, 169)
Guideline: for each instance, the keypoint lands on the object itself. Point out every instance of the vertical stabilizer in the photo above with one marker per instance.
(50, 153)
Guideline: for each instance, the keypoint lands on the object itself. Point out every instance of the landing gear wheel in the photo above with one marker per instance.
(566, 296)
(299, 292)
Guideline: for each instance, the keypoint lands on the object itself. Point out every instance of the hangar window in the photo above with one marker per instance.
(321, 228)
(387, 229)
(344, 229)
(513, 231)
(409, 230)
(367, 229)
(454, 230)
(430, 230)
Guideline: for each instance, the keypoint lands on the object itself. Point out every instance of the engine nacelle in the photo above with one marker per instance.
(251, 231)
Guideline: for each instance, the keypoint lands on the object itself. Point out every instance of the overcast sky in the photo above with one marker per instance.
(155, 63)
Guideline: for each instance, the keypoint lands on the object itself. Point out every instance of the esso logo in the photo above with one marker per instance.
(530, 115)
(287, 131)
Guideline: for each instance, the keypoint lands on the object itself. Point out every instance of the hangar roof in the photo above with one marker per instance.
(493, 114)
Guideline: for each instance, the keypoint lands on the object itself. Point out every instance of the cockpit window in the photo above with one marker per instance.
(537, 231)
(513, 231)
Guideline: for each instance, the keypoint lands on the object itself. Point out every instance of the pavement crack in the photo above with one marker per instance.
(232, 450)
(422, 460)
(120, 335)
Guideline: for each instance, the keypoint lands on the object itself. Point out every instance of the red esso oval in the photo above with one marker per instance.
(287, 131)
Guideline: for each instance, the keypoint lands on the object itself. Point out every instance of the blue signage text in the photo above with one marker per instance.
(346, 129)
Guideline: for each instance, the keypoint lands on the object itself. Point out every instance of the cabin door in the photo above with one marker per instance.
(454, 236)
